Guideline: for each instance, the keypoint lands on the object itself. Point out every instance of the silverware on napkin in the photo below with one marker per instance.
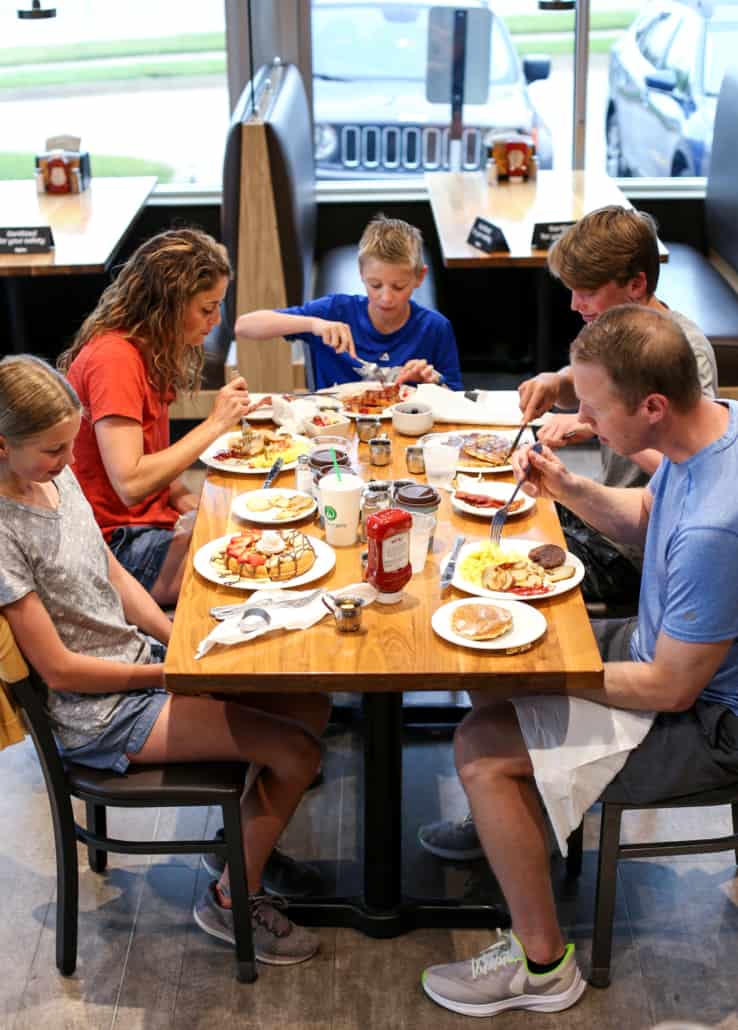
(225, 611)
(273, 473)
(448, 573)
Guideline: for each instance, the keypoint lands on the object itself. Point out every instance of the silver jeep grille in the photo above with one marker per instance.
(409, 147)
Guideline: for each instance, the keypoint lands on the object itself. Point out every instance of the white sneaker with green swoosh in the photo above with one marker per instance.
(499, 979)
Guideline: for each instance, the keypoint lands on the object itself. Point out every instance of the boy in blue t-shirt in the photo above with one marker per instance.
(385, 327)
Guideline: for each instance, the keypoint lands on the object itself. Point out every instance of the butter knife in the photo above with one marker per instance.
(448, 573)
(273, 473)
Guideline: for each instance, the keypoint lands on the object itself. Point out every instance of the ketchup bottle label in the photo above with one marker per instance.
(395, 552)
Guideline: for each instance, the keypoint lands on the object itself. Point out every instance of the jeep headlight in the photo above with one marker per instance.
(325, 140)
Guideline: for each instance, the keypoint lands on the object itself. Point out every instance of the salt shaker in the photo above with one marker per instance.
(380, 451)
(304, 475)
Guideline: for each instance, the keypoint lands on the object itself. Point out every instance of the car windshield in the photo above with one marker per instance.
(721, 43)
(372, 42)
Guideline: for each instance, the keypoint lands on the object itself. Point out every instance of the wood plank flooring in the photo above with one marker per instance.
(144, 965)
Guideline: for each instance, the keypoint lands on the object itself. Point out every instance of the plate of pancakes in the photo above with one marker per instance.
(482, 450)
(369, 398)
(264, 559)
(506, 627)
(271, 507)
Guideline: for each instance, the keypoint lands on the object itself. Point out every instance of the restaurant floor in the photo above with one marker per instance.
(144, 964)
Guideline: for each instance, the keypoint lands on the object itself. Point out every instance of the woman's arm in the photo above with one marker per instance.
(139, 606)
(135, 475)
(62, 669)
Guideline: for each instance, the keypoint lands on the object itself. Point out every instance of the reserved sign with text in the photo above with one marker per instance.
(545, 234)
(487, 236)
(34, 239)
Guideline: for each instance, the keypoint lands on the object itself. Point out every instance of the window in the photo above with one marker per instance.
(143, 86)
(653, 43)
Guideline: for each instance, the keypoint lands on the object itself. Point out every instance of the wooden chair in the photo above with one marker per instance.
(143, 786)
(611, 851)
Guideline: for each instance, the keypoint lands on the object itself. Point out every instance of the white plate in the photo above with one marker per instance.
(462, 466)
(325, 559)
(221, 444)
(268, 517)
(500, 491)
(343, 390)
(521, 547)
(263, 414)
(528, 625)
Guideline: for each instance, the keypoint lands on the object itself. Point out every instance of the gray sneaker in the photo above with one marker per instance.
(277, 940)
(282, 875)
(499, 979)
(457, 841)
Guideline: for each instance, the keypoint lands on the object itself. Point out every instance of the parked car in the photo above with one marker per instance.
(664, 78)
(372, 118)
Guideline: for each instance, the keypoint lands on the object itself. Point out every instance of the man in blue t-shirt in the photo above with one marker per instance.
(664, 723)
(385, 326)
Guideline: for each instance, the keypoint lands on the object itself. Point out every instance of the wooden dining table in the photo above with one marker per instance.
(553, 197)
(395, 651)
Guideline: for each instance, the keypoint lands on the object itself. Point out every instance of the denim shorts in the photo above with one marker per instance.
(141, 550)
(127, 731)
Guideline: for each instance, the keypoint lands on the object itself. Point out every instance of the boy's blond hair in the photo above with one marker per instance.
(393, 241)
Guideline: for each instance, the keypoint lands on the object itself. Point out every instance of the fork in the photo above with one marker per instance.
(225, 611)
(498, 522)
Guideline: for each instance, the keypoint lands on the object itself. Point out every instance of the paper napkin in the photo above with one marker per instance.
(493, 408)
(230, 632)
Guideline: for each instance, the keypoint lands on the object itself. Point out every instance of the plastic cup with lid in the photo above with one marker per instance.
(340, 505)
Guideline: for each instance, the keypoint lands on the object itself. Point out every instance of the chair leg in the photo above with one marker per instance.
(97, 823)
(607, 876)
(245, 959)
(67, 886)
(734, 817)
(574, 851)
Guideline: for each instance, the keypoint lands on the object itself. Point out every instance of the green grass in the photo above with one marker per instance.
(554, 21)
(192, 43)
(64, 76)
(19, 165)
(563, 45)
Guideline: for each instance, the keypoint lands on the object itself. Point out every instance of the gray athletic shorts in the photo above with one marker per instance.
(683, 752)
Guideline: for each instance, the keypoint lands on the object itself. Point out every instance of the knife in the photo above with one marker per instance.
(448, 573)
(273, 473)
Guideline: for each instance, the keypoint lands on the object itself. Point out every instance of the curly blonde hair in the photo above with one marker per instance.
(147, 300)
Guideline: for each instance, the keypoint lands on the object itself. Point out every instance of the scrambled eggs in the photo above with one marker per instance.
(472, 567)
(265, 461)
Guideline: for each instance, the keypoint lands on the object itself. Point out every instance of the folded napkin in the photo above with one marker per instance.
(293, 415)
(493, 408)
(230, 632)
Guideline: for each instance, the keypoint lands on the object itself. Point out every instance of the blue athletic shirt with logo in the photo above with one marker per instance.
(426, 334)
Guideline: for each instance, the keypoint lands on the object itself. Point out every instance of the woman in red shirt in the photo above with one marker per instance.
(141, 345)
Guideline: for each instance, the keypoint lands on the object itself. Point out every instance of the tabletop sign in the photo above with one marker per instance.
(546, 233)
(34, 239)
(487, 236)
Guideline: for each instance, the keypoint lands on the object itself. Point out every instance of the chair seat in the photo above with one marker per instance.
(190, 783)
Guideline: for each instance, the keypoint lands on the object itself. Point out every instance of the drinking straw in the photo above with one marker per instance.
(335, 464)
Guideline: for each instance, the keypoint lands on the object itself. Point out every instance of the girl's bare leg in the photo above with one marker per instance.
(201, 729)
(165, 589)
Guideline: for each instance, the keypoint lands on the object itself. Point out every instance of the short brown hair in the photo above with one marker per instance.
(610, 244)
(393, 241)
(643, 351)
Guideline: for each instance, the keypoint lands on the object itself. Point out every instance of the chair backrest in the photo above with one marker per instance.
(721, 201)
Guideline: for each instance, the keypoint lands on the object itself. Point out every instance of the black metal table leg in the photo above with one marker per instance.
(382, 800)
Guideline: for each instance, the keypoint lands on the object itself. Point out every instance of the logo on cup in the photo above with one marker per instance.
(330, 513)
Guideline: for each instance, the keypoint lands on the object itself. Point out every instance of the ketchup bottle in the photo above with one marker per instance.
(388, 564)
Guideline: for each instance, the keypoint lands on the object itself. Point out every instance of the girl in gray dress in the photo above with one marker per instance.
(80, 619)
